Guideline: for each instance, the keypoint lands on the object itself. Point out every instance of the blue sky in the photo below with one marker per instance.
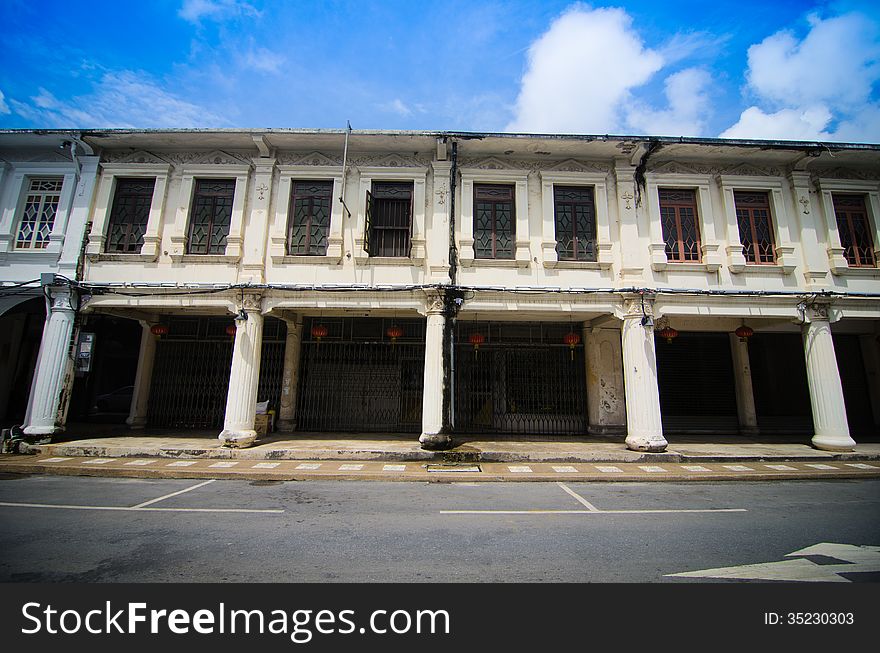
(771, 69)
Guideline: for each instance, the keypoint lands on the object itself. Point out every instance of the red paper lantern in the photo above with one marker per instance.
(159, 330)
(572, 340)
(669, 333)
(394, 332)
(230, 330)
(744, 333)
(319, 331)
(477, 339)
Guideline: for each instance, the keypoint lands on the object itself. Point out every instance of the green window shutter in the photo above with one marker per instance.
(368, 223)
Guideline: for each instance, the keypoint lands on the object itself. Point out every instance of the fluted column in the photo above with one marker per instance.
(290, 375)
(823, 378)
(643, 421)
(433, 435)
(745, 395)
(143, 378)
(244, 377)
(46, 389)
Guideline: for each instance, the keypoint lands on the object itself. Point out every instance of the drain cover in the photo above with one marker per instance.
(453, 468)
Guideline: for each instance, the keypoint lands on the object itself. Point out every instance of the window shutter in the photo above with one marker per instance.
(368, 222)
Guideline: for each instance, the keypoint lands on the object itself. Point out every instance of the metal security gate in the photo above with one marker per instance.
(779, 383)
(191, 372)
(518, 378)
(697, 388)
(357, 377)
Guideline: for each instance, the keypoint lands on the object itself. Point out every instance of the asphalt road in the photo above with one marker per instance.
(84, 529)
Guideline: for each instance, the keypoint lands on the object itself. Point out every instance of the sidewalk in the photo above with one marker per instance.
(368, 457)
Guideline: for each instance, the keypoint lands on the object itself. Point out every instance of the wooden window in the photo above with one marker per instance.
(309, 219)
(755, 226)
(38, 216)
(494, 221)
(388, 228)
(575, 214)
(855, 230)
(129, 214)
(210, 216)
(681, 233)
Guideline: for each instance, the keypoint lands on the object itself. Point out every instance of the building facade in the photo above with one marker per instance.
(452, 284)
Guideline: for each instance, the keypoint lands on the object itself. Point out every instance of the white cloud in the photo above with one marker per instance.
(195, 10)
(817, 88)
(4, 108)
(580, 73)
(794, 124)
(397, 106)
(263, 60)
(122, 99)
(688, 103)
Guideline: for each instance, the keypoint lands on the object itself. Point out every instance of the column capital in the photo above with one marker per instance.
(62, 298)
(635, 305)
(250, 301)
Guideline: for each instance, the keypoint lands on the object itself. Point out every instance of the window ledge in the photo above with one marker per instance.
(388, 260)
(857, 272)
(204, 258)
(751, 268)
(121, 258)
(576, 265)
(494, 263)
(296, 259)
(673, 266)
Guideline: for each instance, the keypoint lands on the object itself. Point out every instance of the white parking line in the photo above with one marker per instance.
(589, 506)
(609, 469)
(782, 468)
(696, 468)
(818, 466)
(141, 462)
(738, 468)
(520, 469)
(309, 466)
(224, 464)
(350, 468)
(56, 460)
(97, 461)
(174, 494)
(265, 466)
(181, 463)
(652, 468)
(861, 466)
(394, 468)
(589, 512)
(7, 504)
(565, 470)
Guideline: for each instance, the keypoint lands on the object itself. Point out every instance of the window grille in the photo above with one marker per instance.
(129, 215)
(755, 227)
(855, 230)
(38, 216)
(575, 214)
(388, 228)
(678, 215)
(493, 222)
(309, 219)
(211, 215)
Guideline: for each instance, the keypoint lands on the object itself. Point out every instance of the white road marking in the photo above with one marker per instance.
(265, 466)
(141, 462)
(565, 470)
(857, 559)
(224, 464)
(651, 468)
(608, 469)
(308, 466)
(782, 468)
(394, 468)
(861, 466)
(174, 494)
(589, 506)
(696, 468)
(133, 509)
(55, 460)
(816, 466)
(520, 469)
(587, 512)
(181, 463)
(738, 468)
(97, 461)
(350, 468)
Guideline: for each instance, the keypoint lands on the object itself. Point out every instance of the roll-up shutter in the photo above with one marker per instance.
(779, 382)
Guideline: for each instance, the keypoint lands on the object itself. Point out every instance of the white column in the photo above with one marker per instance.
(52, 360)
(432, 436)
(742, 377)
(290, 376)
(244, 378)
(826, 392)
(137, 416)
(644, 425)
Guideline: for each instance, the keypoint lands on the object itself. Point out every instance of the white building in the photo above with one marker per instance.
(452, 284)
